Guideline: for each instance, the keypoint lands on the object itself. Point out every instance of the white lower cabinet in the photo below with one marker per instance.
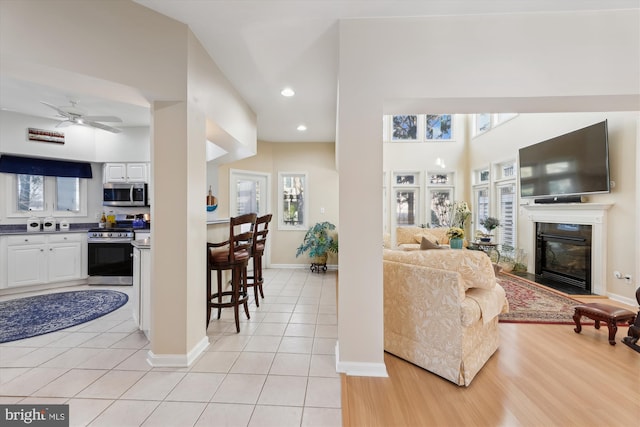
(40, 259)
(141, 297)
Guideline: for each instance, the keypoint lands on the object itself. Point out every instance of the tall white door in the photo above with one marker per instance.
(249, 192)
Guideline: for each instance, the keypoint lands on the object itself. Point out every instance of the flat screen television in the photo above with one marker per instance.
(573, 164)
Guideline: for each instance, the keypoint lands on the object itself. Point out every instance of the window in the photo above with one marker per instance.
(46, 195)
(68, 194)
(405, 128)
(436, 128)
(406, 192)
(293, 197)
(440, 204)
(30, 193)
(484, 122)
(506, 209)
(439, 198)
(505, 190)
(480, 206)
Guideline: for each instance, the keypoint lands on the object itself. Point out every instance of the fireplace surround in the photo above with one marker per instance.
(563, 254)
(590, 214)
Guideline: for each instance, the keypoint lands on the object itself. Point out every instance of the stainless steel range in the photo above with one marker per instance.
(110, 256)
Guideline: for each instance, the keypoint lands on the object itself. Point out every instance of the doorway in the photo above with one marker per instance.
(250, 192)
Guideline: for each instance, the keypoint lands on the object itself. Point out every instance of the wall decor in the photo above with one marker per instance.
(438, 127)
(45, 135)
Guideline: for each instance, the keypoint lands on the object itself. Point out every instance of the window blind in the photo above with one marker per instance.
(46, 167)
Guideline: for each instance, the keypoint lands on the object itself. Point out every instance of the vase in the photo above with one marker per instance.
(455, 243)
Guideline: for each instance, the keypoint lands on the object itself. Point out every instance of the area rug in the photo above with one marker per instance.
(532, 303)
(31, 316)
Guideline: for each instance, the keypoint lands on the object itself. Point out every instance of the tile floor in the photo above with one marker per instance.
(278, 371)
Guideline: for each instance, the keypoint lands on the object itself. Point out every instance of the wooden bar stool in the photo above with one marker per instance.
(257, 251)
(232, 254)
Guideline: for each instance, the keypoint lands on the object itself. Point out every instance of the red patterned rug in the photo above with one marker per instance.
(532, 303)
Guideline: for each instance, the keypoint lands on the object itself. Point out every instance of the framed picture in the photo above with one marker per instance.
(438, 127)
(404, 128)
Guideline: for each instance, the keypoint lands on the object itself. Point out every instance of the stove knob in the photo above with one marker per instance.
(110, 234)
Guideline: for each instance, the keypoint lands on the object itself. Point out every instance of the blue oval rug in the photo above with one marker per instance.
(31, 316)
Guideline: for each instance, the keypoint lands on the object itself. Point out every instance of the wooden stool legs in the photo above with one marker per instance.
(237, 293)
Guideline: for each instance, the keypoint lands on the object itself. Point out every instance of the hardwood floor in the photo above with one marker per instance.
(542, 375)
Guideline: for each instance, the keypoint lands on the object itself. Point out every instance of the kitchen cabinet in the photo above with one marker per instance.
(41, 259)
(141, 295)
(64, 257)
(126, 172)
(26, 260)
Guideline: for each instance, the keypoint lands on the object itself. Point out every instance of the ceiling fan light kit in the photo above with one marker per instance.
(73, 115)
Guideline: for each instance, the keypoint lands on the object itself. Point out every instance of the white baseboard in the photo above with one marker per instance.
(360, 369)
(628, 301)
(177, 360)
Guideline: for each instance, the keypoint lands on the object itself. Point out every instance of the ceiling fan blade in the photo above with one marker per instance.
(64, 124)
(61, 112)
(110, 119)
(102, 126)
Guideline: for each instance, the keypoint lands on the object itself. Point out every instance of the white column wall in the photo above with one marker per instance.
(582, 61)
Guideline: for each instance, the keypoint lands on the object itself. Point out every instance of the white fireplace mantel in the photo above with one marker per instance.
(593, 214)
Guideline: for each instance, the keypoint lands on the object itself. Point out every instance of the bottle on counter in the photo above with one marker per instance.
(111, 220)
(103, 221)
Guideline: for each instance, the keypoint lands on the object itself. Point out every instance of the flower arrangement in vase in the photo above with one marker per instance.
(455, 235)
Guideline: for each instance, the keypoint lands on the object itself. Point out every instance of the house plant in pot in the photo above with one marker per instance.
(456, 235)
(318, 242)
(489, 223)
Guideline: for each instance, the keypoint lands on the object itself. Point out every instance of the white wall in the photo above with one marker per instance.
(582, 61)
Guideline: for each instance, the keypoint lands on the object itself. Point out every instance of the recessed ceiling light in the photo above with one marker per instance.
(301, 128)
(287, 91)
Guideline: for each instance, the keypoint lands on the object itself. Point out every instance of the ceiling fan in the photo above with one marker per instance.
(74, 115)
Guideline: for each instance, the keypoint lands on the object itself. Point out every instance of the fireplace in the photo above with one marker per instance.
(563, 254)
(591, 214)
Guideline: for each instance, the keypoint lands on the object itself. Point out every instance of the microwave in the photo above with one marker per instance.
(117, 194)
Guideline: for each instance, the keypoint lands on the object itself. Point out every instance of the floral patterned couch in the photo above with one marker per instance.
(441, 310)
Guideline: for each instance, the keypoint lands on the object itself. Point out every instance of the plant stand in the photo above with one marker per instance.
(317, 266)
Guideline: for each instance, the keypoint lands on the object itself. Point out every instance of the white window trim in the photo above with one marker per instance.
(305, 223)
(11, 181)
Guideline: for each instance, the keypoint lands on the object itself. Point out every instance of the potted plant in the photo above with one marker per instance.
(318, 242)
(455, 234)
(489, 223)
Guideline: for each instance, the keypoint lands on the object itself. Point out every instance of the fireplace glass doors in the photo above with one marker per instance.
(563, 254)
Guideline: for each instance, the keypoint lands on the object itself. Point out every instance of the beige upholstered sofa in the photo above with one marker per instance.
(441, 310)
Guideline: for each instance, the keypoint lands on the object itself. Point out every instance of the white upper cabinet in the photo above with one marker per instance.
(126, 172)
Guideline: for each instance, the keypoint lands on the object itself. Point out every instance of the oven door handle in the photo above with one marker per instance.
(109, 240)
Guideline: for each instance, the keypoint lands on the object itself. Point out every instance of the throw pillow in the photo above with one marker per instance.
(428, 244)
(430, 236)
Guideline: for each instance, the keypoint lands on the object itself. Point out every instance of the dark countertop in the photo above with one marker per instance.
(9, 229)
